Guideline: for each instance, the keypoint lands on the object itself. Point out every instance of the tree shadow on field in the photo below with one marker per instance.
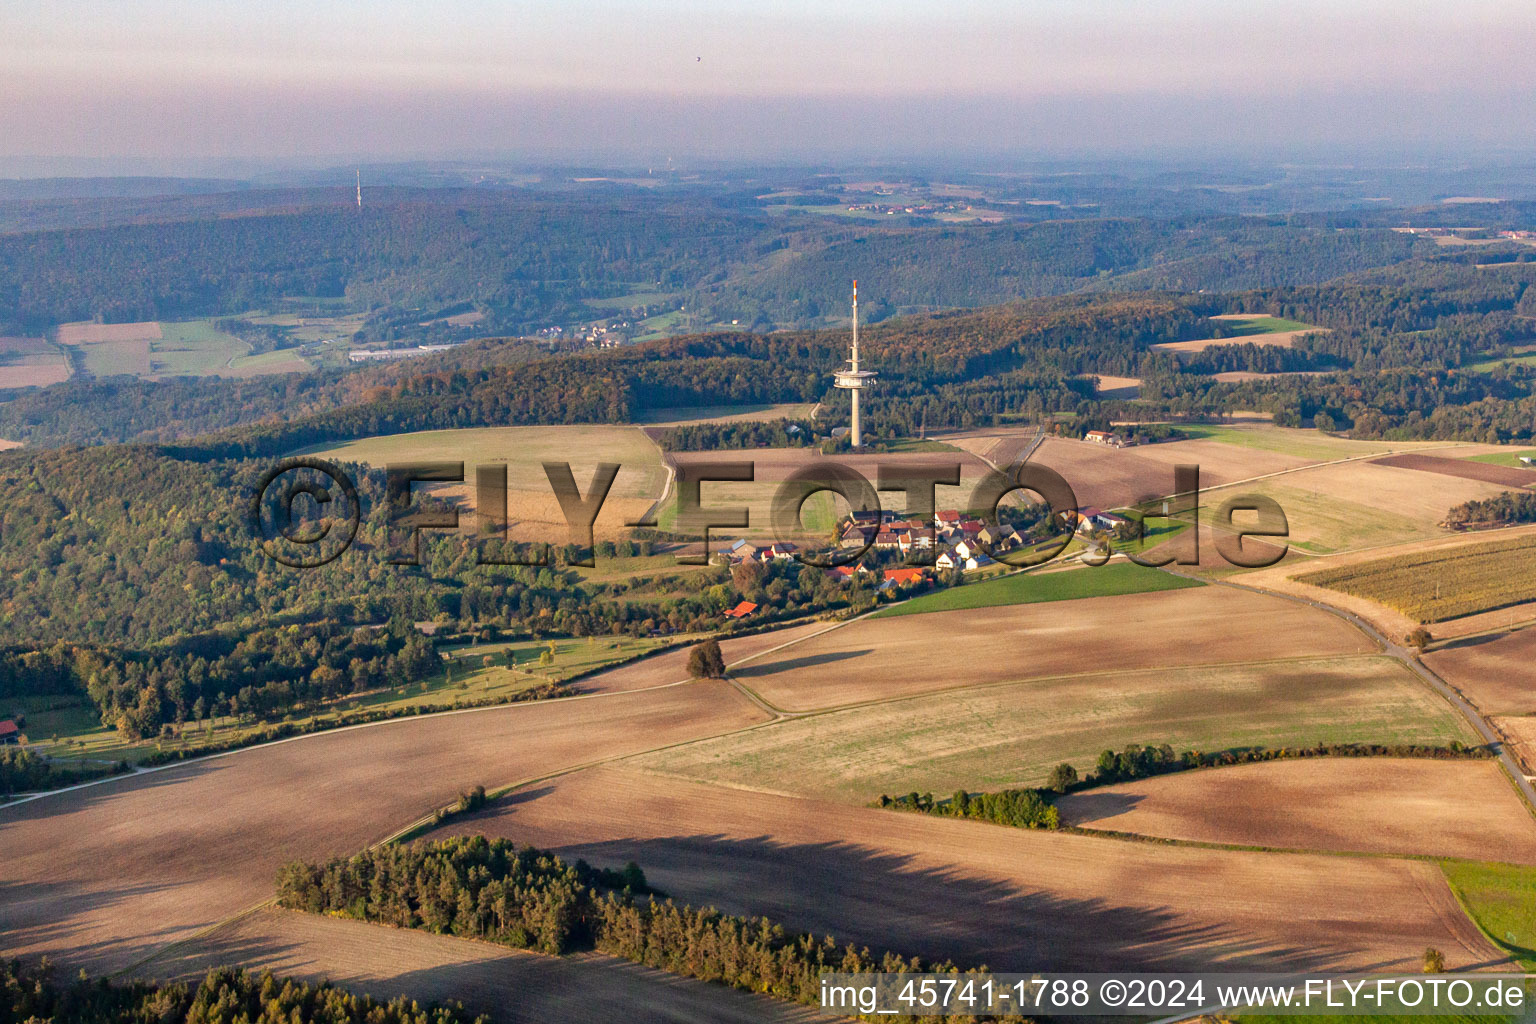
(1082, 808)
(885, 901)
(792, 664)
(1462, 643)
(70, 801)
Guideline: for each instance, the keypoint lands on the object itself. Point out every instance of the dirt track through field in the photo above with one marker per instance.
(1010, 898)
(1370, 805)
(103, 876)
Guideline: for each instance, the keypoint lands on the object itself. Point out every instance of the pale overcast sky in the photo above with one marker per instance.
(645, 78)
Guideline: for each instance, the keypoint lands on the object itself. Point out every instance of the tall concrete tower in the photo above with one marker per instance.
(359, 188)
(854, 379)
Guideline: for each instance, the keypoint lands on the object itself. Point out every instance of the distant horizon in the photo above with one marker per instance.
(169, 85)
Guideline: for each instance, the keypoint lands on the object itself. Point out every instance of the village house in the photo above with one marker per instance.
(1104, 437)
(741, 611)
(9, 733)
(781, 550)
(741, 550)
(886, 540)
(856, 536)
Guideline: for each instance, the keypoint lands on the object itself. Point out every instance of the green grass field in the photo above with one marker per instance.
(1511, 459)
(285, 360)
(1501, 898)
(1267, 325)
(1032, 588)
(994, 737)
(1304, 444)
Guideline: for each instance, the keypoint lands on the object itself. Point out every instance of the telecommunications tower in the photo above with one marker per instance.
(359, 188)
(854, 379)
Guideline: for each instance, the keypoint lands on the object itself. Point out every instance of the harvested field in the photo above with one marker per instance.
(1245, 431)
(725, 414)
(1001, 446)
(101, 876)
(531, 504)
(879, 658)
(1361, 804)
(672, 666)
(994, 737)
(1467, 469)
(8, 445)
(1011, 898)
(1521, 731)
(772, 466)
(1110, 387)
(509, 986)
(1362, 504)
(1220, 462)
(109, 349)
(30, 362)
(32, 373)
(107, 334)
(1275, 339)
(1442, 583)
(1493, 671)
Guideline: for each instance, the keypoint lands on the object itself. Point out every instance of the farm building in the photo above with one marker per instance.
(9, 733)
(741, 611)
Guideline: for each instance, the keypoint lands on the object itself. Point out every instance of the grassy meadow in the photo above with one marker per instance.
(1109, 580)
(993, 737)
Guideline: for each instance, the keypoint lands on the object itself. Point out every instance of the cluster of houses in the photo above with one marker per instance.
(960, 542)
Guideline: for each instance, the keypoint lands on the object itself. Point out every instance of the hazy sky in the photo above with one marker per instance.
(322, 79)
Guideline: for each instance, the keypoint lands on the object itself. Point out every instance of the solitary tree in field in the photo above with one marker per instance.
(1420, 638)
(705, 661)
(1434, 961)
(1062, 777)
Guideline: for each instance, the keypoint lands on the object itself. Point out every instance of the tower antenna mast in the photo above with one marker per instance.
(854, 379)
(359, 188)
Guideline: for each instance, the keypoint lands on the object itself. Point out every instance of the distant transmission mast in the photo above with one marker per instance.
(853, 379)
(359, 188)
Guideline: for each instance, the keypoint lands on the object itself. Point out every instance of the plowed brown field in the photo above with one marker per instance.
(1369, 805)
(102, 876)
(1011, 898)
(1495, 672)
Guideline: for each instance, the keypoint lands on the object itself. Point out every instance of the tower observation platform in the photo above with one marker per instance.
(853, 380)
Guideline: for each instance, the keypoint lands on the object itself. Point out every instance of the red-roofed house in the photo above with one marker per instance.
(9, 733)
(902, 576)
(949, 515)
(741, 611)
